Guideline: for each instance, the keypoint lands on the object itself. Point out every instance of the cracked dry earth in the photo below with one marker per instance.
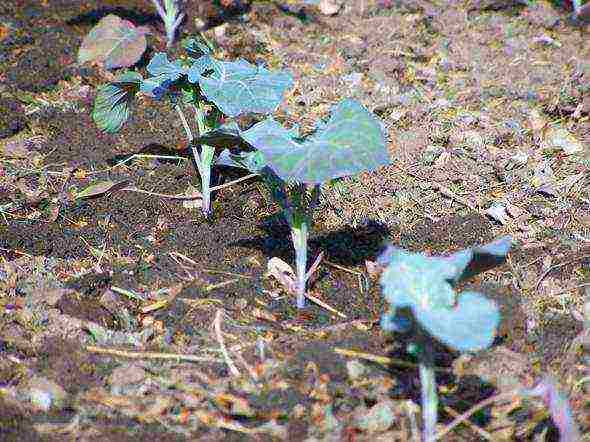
(487, 110)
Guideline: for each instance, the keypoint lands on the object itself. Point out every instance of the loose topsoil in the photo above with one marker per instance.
(486, 105)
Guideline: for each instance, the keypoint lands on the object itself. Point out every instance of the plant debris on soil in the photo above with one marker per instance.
(126, 316)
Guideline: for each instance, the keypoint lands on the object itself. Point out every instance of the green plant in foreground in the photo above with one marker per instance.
(212, 89)
(294, 168)
(424, 306)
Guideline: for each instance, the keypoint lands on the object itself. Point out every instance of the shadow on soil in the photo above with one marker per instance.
(347, 247)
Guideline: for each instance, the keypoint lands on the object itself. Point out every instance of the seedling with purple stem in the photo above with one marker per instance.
(424, 306)
(211, 88)
(294, 168)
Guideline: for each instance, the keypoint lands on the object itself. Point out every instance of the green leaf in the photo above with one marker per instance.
(164, 74)
(350, 142)
(424, 285)
(111, 105)
(115, 42)
(226, 135)
(238, 87)
(155, 87)
(159, 65)
(198, 68)
(251, 161)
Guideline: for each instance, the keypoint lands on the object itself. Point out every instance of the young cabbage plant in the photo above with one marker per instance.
(294, 168)
(424, 306)
(212, 89)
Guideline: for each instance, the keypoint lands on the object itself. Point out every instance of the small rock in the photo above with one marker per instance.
(124, 376)
(353, 80)
(46, 394)
(560, 138)
(355, 370)
(378, 418)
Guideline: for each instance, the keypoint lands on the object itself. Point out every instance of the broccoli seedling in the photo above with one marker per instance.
(423, 305)
(212, 89)
(294, 168)
(171, 14)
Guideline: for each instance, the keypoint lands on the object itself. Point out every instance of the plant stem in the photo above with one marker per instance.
(299, 234)
(185, 125)
(207, 157)
(171, 16)
(199, 159)
(204, 160)
(429, 396)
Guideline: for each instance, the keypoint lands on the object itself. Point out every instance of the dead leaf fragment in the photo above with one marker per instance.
(561, 139)
(498, 212)
(101, 188)
(282, 272)
(33, 196)
(329, 7)
(15, 149)
(197, 203)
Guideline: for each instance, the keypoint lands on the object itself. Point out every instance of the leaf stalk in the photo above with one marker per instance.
(429, 396)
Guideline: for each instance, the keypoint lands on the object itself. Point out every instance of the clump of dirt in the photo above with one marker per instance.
(12, 120)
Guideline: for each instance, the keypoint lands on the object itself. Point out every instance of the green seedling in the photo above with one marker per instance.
(424, 306)
(214, 90)
(294, 168)
(170, 12)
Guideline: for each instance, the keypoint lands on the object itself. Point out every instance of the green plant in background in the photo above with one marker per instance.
(171, 14)
(424, 306)
(214, 90)
(294, 168)
(581, 10)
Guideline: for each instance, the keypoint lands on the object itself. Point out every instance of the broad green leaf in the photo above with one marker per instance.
(350, 142)
(486, 257)
(251, 161)
(238, 87)
(469, 326)
(226, 135)
(115, 42)
(111, 105)
(424, 285)
(159, 65)
(155, 87)
(198, 68)
(164, 74)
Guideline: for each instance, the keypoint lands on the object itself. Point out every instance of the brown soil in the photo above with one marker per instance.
(455, 84)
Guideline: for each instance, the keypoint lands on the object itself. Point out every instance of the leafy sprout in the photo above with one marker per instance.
(211, 88)
(349, 142)
(423, 305)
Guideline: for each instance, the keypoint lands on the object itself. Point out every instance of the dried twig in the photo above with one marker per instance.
(217, 326)
(556, 266)
(465, 416)
(324, 305)
(483, 433)
(383, 360)
(360, 275)
(450, 194)
(151, 355)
